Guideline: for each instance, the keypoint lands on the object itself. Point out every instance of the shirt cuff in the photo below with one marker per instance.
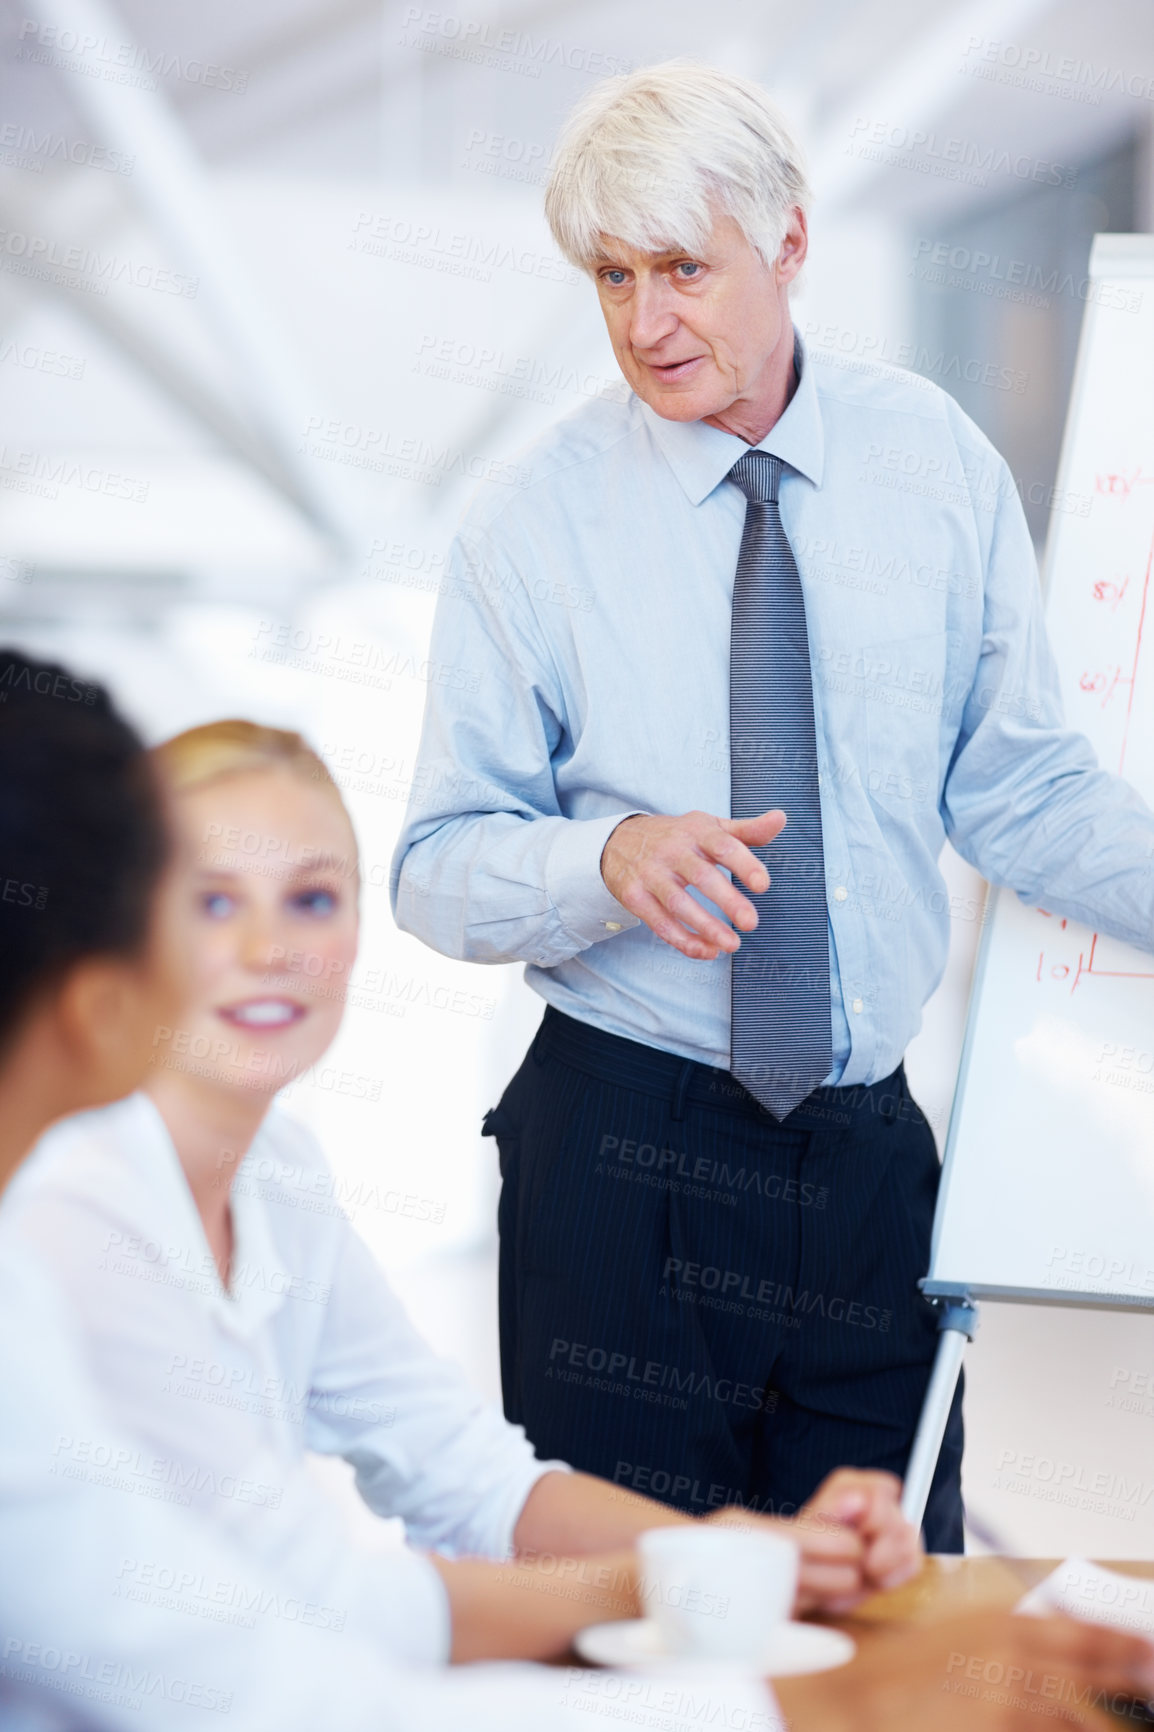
(588, 909)
(518, 1500)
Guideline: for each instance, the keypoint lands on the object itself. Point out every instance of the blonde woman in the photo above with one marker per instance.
(202, 1228)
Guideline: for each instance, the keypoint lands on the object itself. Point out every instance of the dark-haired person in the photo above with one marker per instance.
(90, 963)
(96, 1565)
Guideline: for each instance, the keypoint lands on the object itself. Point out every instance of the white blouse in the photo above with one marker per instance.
(127, 1613)
(309, 1349)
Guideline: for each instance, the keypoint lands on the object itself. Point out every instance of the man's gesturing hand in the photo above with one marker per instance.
(648, 862)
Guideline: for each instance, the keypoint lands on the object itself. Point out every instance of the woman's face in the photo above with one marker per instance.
(272, 913)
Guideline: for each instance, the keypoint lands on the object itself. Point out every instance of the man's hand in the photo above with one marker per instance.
(648, 862)
(853, 1538)
(990, 1670)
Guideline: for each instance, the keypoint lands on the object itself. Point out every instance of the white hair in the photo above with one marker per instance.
(652, 157)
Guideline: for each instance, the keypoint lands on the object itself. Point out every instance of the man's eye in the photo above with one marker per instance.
(688, 269)
(613, 278)
(217, 905)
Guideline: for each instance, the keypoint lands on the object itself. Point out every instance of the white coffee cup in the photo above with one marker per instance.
(716, 1592)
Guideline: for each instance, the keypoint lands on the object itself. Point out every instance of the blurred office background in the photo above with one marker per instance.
(276, 291)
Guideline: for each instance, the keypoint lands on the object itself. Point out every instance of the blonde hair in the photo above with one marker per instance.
(651, 156)
(217, 750)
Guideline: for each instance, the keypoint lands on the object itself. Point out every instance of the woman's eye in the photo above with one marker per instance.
(315, 901)
(217, 905)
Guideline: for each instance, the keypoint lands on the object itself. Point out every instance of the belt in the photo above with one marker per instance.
(685, 1083)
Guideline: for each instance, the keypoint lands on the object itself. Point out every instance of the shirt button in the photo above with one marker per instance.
(840, 893)
(613, 926)
(858, 1006)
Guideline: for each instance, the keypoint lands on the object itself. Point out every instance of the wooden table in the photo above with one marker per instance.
(952, 1585)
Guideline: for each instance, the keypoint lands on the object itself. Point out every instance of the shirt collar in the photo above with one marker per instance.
(701, 457)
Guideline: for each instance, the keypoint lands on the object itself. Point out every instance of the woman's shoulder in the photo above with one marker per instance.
(93, 1154)
(92, 1182)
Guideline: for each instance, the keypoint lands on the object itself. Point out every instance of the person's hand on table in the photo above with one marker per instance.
(648, 862)
(989, 1669)
(853, 1537)
(868, 1505)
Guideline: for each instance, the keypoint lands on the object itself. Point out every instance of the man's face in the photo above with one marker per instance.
(706, 335)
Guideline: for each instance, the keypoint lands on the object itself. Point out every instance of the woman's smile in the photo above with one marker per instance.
(264, 1013)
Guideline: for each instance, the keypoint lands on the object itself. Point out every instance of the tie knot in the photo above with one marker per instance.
(757, 474)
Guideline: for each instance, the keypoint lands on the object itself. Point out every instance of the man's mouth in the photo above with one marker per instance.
(263, 1013)
(671, 371)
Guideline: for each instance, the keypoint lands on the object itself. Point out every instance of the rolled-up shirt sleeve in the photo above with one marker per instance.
(489, 868)
(1025, 800)
(423, 1443)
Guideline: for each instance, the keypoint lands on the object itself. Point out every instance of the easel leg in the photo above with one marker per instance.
(957, 1326)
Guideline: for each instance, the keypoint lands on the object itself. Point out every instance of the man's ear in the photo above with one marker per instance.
(794, 247)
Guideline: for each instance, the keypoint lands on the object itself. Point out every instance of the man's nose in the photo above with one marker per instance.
(652, 317)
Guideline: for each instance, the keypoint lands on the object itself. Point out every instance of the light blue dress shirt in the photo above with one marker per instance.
(583, 638)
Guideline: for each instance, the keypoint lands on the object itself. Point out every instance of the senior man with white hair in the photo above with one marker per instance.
(714, 644)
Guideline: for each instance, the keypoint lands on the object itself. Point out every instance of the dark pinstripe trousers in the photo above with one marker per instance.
(702, 1304)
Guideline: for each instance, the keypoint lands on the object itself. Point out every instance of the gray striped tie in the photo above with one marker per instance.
(780, 1041)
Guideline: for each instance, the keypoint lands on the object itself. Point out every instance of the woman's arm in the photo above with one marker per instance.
(575, 1562)
(531, 1610)
(852, 1534)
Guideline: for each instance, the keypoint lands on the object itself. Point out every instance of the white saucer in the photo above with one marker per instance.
(789, 1650)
